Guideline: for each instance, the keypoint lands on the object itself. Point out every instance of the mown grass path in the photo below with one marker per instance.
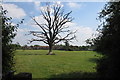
(47, 66)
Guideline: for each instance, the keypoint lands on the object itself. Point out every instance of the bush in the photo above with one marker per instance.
(8, 33)
(108, 41)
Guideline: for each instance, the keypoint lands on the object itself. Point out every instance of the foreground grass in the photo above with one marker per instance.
(65, 64)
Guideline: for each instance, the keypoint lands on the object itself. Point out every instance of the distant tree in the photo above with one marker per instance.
(66, 45)
(24, 47)
(90, 45)
(8, 33)
(16, 46)
(37, 45)
(108, 41)
(50, 32)
(83, 48)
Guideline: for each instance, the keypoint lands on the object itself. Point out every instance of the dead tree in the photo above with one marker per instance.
(50, 32)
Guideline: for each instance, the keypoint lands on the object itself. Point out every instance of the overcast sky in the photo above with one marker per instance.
(84, 14)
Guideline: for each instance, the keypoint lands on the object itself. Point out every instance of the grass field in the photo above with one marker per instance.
(65, 64)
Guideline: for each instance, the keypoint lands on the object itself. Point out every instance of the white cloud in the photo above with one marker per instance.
(47, 7)
(37, 5)
(39, 19)
(82, 33)
(74, 5)
(58, 3)
(14, 11)
(23, 39)
(50, 7)
(20, 37)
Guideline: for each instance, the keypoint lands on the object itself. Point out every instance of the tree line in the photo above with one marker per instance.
(56, 47)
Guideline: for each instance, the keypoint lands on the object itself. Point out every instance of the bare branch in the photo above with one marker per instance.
(51, 31)
(43, 28)
(66, 37)
(43, 40)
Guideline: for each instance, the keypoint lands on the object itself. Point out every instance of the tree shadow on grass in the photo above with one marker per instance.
(34, 54)
(75, 76)
(31, 54)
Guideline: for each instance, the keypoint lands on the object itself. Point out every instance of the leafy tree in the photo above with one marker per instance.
(50, 32)
(108, 41)
(8, 33)
(16, 46)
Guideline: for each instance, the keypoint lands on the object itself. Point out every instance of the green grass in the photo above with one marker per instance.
(64, 63)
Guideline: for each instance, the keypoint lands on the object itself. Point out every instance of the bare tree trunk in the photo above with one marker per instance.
(50, 50)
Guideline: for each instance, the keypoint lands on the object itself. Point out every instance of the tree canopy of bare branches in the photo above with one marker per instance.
(51, 30)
